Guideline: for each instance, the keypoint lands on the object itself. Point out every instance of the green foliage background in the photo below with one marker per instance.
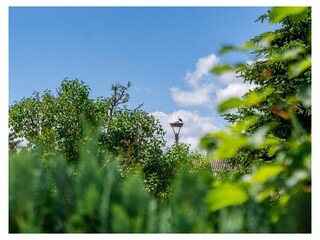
(269, 138)
(92, 166)
(97, 198)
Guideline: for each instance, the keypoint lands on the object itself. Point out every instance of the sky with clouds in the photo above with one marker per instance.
(203, 90)
(167, 54)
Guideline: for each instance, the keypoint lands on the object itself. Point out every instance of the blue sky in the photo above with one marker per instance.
(165, 52)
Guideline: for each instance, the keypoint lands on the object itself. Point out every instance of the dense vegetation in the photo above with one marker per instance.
(60, 124)
(269, 138)
(98, 166)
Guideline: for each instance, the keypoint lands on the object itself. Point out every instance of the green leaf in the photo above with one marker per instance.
(226, 48)
(222, 145)
(279, 13)
(262, 195)
(247, 46)
(266, 40)
(229, 104)
(228, 146)
(264, 173)
(240, 67)
(222, 69)
(289, 54)
(252, 98)
(226, 195)
(297, 68)
(243, 125)
(292, 53)
(243, 48)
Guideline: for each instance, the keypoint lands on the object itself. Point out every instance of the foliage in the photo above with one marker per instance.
(279, 52)
(133, 134)
(269, 138)
(281, 78)
(160, 171)
(57, 201)
(96, 198)
(14, 141)
(190, 213)
(53, 122)
(124, 182)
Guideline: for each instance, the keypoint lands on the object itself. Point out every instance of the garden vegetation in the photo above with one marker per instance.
(97, 166)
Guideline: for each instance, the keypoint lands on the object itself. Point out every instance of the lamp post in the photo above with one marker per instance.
(176, 127)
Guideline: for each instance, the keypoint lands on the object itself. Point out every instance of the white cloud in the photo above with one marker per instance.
(201, 89)
(195, 126)
(205, 89)
(199, 96)
(203, 68)
(232, 86)
(229, 77)
(233, 90)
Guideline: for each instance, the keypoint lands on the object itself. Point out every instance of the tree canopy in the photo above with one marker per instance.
(64, 122)
(269, 136)
(55, 122)
(281, 76)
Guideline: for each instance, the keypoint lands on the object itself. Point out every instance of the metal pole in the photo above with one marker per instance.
(176, 127)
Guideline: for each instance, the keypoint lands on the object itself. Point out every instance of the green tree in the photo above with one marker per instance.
(272, 129)
(55, 123)
(282, 74)
(133, 135)
(14, 141)
(162, 169)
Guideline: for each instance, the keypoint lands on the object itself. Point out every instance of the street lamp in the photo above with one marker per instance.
(176, 127)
